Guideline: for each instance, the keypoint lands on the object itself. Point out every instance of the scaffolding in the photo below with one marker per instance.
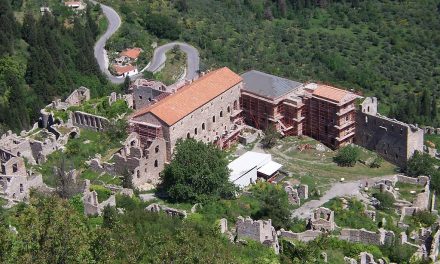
(146, 131)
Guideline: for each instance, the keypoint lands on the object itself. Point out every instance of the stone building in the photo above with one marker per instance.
(395, 141)
(323, 219)
(258, 230)
(15, 182)
(78, 97)
(17, 146)
(147, 92)
(206, 109)
(144, 160)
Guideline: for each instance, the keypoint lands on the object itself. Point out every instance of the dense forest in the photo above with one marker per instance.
(43, 57)
(388, 49)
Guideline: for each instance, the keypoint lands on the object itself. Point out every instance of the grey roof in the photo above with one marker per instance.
(267, 85)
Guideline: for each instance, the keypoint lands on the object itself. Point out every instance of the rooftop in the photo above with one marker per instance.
(123, 69)
(332, 93)
(131, 53)
(247, 162)
(267, 85)
(192, 96)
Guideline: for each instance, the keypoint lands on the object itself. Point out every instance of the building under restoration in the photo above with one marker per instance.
(320, 111)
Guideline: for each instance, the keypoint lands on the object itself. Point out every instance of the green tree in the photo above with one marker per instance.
(274, 204)
(127, 179)
(197, 172)
(109, 217)
(420, 164)
(347, 156)
(271, 135)
(126, 85)
(50, 231)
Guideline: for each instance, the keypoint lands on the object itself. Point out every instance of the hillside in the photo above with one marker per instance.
(43, 57)
(388, 49)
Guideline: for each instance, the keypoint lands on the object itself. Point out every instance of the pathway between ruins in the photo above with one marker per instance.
(339, 189)
(159, 56)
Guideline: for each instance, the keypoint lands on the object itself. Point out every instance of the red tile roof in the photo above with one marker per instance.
(192, 96)
(123, 69)
(334, 94)
(131, 53)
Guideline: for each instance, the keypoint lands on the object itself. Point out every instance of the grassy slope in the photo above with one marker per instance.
(317, 169)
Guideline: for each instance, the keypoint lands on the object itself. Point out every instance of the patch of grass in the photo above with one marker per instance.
(78, 151)
(102, 192)
(317, 167)
(405, 191)
(353, 216)
(174, 67)
(435, 139)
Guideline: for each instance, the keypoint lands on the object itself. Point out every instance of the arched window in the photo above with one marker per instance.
(229, 109)
(221, 113)
(156, 149)
(188, 135)
(138, 174)
(195, 131)
(203, 126)
(156, 164)
(213, 119)
(235, 105)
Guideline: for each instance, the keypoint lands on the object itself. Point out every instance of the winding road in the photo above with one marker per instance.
(159, 56)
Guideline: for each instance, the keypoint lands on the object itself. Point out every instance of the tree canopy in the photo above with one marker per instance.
(197, 172)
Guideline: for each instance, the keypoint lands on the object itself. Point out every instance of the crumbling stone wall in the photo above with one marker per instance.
(144, 162)
(382, 237)
(90, 200)
(128, 98)
(395, 141)
(156, 208)
(15, 182)
(421, 180)
(258, 230)
(323, 219)
(89, 121)
(17, 146)
(305, 236)
(78, 97)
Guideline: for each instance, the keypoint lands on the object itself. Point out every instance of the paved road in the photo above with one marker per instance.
(337, 190)
(159, 57)
(114, 22)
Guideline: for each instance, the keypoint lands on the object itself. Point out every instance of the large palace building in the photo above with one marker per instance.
(207, 109)
(320, 111)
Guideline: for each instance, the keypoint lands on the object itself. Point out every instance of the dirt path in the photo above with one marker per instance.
(339, 189)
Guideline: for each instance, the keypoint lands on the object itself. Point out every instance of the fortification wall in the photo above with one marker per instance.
(395, 141)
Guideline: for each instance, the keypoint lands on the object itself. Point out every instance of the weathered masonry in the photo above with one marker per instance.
(395, 141)
(206, 109)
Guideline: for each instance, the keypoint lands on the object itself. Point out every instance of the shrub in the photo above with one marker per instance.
(377, 162)
(347, 156)
(386, 200)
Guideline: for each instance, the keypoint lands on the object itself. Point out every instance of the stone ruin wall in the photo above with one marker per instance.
(89, 121)
(395, 141)
(360, 235)
(381, 237)
(305, 236)
(258, 230)
(421, 180)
